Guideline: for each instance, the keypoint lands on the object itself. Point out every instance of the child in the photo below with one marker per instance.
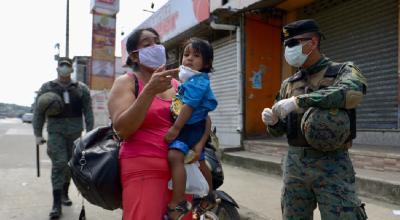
(190, 107)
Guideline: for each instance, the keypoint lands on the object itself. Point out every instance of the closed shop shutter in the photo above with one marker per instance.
(365, 32)
(226, 86)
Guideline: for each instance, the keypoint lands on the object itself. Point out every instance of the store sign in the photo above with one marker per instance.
(176, 16)
(110, 7)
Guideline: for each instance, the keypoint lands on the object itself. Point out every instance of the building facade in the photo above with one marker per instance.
(249, 65)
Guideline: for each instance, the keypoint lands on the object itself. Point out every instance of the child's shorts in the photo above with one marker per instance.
(189, 136)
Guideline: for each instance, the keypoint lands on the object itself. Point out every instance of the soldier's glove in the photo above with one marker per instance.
(284, 107)
(268, 117)
(40, 140)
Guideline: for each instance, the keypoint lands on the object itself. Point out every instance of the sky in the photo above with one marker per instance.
(30, 29)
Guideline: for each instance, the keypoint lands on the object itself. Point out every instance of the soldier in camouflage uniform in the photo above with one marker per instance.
(62, 128)
(313, 173)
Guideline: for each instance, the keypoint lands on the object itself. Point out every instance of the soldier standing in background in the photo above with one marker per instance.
(63, 102)
(316, 109)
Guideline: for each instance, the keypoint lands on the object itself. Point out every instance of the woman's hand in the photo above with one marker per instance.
(161, 80)
(172, 133)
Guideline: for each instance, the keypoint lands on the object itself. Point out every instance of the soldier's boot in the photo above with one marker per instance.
(55, 212)
(64, 197)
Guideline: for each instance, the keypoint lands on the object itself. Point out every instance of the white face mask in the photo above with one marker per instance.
(64, 70)
(153, 56)
(186, 73)
(294, 55)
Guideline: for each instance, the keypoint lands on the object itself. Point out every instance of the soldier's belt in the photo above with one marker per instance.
(313, 153)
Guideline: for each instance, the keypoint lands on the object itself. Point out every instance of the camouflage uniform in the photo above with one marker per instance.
(312, 176)
(64, 128)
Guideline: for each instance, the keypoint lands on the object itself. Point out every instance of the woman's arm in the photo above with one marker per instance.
(127, 111)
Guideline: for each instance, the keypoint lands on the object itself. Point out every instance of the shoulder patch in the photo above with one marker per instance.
(297, 76)
(356, 73)
(334, 69)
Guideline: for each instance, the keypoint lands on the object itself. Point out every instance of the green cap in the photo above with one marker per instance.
(299, 27)
(64, 60)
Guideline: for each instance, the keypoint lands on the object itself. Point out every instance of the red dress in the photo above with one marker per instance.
(144, 165)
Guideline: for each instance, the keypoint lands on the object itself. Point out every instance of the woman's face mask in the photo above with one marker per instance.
(64, 70)
(186, 73)
(294, 55)
(153, 56)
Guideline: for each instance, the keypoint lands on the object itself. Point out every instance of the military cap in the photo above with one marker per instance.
(64, 60)
(299, 27)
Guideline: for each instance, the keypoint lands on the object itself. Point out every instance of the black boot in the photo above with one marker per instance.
(64, 198)
(56, 210)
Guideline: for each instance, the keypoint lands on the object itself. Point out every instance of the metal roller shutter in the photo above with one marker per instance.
(226, 86)
(365, 32)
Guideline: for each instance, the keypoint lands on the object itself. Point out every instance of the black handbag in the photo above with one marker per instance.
(94, 166)
(95, 169)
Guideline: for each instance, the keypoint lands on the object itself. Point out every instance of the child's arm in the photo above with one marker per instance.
(183, 117)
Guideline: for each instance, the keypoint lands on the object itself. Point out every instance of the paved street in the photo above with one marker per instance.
(23, 196)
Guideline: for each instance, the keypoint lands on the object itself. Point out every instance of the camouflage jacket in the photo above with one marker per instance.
(343, 90)
(65, 125)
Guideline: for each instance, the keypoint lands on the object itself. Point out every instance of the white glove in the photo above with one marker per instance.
(40, 140)
(268, 117)
(284, 107)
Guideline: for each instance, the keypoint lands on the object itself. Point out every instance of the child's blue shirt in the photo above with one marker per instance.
(196, 92)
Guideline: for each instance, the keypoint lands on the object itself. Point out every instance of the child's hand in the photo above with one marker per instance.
(172, 133)
(192, 157)
(198, 148)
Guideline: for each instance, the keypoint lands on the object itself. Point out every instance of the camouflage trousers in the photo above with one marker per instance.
(312, 177)
(59, 149)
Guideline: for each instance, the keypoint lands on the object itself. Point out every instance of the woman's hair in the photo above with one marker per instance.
(205, 49)
(132, 44)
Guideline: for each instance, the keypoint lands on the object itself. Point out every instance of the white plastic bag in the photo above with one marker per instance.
(195, 181)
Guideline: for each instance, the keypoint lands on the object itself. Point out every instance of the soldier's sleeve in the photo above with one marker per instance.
(87, 107)
(347, 91)
(279, 128)
(38, 117)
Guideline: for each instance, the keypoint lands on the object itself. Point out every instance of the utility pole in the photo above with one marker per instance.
(67, 32)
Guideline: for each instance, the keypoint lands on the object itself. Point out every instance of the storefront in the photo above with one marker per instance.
(366, 33)
(249, 65)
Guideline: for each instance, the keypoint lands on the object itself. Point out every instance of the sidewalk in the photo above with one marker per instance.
(384, 186)
(258, 195)
(377, 167)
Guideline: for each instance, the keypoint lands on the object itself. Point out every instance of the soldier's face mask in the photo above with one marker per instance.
(294, 54)
(152, 56)
(64, 70)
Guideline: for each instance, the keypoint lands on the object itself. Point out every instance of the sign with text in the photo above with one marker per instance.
(103, 51)
(176, 16)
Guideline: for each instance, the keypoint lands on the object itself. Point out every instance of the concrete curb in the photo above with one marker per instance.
(367, 186)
